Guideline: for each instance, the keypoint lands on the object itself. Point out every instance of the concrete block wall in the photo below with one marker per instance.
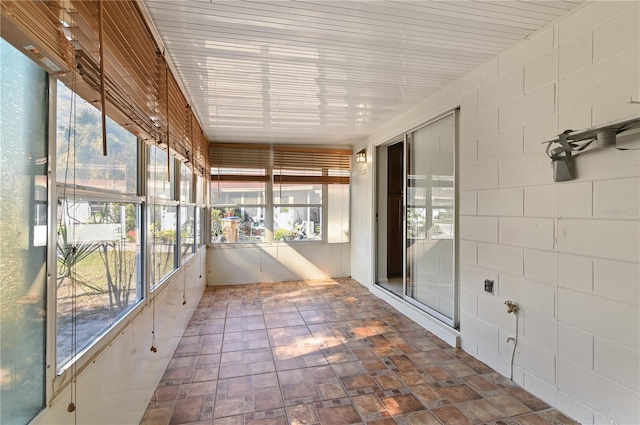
(567, 253)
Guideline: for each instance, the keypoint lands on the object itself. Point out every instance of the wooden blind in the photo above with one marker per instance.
(62, 36)
(227, 157)
(288, 164)
(311, 165)
(35, 28)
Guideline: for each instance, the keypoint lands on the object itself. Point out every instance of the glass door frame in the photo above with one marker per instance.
(382, 168)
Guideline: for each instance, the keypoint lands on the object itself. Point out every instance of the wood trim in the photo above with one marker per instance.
(239, 178)
(298, 149)
(311, 179)
(240, 145)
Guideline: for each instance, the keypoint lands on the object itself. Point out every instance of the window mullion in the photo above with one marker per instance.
(325, 211)
(143, 154)
(52, 263)
(176, 180)
(144, 174)
(268, 222)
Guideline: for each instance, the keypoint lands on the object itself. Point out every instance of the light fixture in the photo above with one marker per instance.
(361, 157)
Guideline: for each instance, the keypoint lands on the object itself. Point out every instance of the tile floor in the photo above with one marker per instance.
(326, 352)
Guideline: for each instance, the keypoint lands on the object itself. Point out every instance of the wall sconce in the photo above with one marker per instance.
(361, 157)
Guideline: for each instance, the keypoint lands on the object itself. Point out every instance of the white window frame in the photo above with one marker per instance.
(186, 203)
(220, 206)
(63, 376)
(323, 209)
(172, 201)
(270, 205)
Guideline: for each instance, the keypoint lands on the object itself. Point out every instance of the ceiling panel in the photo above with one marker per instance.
(329, 72)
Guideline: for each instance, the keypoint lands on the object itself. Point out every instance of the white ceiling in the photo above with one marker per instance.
(329, 71)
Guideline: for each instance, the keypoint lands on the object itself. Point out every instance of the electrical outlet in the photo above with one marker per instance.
(488, 286)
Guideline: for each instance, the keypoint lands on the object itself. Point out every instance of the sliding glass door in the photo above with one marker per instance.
(430, 212)
(427, 219)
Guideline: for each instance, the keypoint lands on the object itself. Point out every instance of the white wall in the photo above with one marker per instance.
(567, 253)
(382, 157)
(118, 385)
(231, 265)
(363, 223)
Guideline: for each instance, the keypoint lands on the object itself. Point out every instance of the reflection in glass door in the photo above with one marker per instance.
(429, 218)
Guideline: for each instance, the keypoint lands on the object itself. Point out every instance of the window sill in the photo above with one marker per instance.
(237, 245)
(266, 244)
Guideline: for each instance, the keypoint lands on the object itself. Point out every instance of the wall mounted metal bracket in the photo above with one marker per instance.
(570, 144)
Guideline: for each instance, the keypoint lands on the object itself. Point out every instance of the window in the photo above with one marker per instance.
(200, 210)
(163, 216)
(187, 213)
(262, 193)
(79, 156)
(198, 226)
(238, 211)
(98, 249)
(95, 216)
(161, 174)
(187, 231)
(99, 270)
(23, 235)
(297, 212)
(164, 239)
(186, 185)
